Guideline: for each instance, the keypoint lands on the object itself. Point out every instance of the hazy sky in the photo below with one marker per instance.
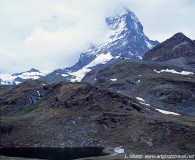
(50, 34)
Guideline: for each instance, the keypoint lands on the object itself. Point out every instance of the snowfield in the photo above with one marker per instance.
(100, 59)
(174, 71)
(167, 112)
(10, 79)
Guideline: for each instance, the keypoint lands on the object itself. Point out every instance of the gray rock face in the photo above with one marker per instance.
(175, 47)
(126, 39)
(24, 99)
(164, 90)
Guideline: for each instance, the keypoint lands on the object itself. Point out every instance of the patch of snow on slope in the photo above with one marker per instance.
(64, 75)
(139, 57)
(136, 26)
(114, 79)
(174, 71)
(17, 82)
(167, 112)
(140, 99)
(149, 45)
(79, 74)
(39, 94)
(144, 103)
(100, 59)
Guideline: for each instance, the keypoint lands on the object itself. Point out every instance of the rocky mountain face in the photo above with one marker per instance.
(125, 39)
(160, 85)
(175, 47)
(80, 115)
(17, 78)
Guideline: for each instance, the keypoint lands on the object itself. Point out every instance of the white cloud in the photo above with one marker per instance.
(5, 55)
(48, 34)
(163, 18)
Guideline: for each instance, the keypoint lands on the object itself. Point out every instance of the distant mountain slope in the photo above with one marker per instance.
(185, 62)
(125, 39)
(175, 47)
(17, 78)
(161, 85)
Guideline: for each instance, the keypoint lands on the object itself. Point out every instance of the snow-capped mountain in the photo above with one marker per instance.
(17, 78)
(125, 39)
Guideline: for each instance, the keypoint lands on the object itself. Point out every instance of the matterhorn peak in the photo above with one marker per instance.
(125, 38)
(126, 20)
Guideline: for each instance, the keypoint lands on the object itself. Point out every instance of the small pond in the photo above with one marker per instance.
(53, 153)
